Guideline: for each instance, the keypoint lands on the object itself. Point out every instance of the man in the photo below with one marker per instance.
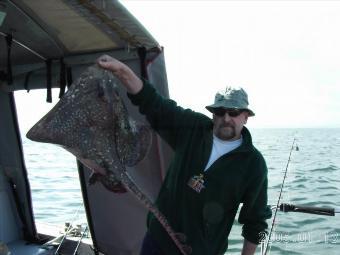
(214, 169)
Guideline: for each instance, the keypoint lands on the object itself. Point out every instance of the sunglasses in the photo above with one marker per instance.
(220, 112)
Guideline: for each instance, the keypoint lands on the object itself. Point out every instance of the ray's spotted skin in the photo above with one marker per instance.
(92, 122)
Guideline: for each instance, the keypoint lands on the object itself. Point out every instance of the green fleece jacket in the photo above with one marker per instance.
(239, 176)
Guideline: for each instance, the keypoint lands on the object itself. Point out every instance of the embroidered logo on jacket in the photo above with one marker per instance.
(196, 183)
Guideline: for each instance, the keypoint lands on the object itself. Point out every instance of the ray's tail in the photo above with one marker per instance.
(178, 238)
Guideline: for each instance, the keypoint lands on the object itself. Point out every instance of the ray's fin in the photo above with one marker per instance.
(134, 146)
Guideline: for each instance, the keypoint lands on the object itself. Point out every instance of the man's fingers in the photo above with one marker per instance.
(106, 62)
(103, 64)
(110, 63)
(104, 59)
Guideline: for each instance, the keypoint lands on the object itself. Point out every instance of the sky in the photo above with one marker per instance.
(285, 54)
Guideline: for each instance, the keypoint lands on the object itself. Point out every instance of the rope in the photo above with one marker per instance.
(68, 230)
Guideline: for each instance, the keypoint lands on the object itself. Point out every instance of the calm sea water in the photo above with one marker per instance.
(313, 179)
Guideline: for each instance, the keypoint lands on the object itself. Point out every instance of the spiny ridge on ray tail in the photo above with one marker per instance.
(178, 238)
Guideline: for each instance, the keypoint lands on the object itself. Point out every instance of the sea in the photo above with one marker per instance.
(310, 158)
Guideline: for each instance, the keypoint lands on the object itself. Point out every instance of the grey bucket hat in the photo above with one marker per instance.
(231, 98)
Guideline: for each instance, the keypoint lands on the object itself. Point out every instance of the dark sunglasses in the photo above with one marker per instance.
(220, 112)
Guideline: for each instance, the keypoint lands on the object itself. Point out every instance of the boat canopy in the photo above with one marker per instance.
(55, 28)
(46, 44)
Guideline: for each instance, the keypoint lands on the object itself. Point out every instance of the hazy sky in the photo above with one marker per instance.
(285, 54)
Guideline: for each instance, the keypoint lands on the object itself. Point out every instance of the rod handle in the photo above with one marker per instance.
(307, 209)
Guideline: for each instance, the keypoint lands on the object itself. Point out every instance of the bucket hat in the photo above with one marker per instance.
(231, 98)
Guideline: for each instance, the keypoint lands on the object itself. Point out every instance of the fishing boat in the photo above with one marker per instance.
(45, 44)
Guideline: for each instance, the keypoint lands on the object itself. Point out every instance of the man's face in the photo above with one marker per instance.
(228, 123)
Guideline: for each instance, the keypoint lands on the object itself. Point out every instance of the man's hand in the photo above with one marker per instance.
(129, 79)
(249, 248)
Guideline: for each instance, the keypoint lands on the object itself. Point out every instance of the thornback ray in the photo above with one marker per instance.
(92, 122)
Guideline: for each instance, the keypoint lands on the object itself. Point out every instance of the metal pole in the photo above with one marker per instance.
(25, 47)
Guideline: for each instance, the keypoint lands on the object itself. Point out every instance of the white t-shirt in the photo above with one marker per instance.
(221, 147)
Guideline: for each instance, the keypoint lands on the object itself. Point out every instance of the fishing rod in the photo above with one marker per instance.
(284, 207)
(278, 201)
